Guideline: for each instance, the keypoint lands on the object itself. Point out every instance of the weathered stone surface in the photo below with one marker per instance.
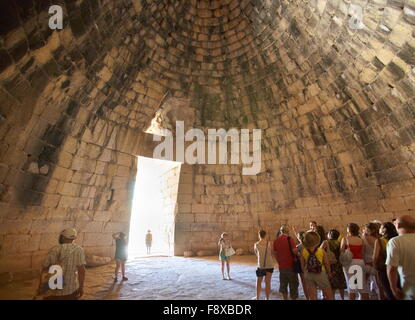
(188, 254)
(204, 253)
(95, 261)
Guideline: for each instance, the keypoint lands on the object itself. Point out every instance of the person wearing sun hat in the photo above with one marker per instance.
(311, 240)
(316, 267)
(71, 258)
(69, 234)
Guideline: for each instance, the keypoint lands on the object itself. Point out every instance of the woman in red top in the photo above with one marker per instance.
(356, 246)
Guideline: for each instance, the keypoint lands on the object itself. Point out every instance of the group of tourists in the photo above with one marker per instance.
(376, 261)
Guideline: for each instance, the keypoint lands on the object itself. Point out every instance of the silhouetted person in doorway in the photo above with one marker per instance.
(120, 255)
(149, 240)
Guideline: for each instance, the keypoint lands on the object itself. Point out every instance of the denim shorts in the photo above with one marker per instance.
(263, 272)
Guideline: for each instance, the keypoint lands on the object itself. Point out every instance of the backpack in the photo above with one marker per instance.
(313, 264)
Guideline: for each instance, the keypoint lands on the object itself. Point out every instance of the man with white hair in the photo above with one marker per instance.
(71, 258)
(401, 259)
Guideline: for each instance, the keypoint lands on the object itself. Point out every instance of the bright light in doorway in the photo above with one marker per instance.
(155, 196)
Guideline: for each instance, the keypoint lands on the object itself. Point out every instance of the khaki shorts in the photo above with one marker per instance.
(319, 280)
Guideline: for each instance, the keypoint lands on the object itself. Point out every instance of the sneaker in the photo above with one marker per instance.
(124, 278)
(115, 280)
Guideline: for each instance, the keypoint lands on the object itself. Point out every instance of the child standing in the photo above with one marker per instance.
(120, 254)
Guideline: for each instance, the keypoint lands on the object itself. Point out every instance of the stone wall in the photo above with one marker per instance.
(70, 127)
(336, 106)
(169, 187)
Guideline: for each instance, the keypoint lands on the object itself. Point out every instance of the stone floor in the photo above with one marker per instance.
(172, 278)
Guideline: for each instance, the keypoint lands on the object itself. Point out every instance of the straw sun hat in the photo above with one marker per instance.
(311, 239)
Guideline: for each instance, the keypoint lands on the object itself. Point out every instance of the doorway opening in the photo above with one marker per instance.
(154, 206)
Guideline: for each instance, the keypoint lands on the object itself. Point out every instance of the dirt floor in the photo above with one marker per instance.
(171, 278)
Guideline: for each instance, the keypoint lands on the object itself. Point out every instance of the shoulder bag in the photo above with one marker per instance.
(297, 263)
(260, 272)
(346, 256)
